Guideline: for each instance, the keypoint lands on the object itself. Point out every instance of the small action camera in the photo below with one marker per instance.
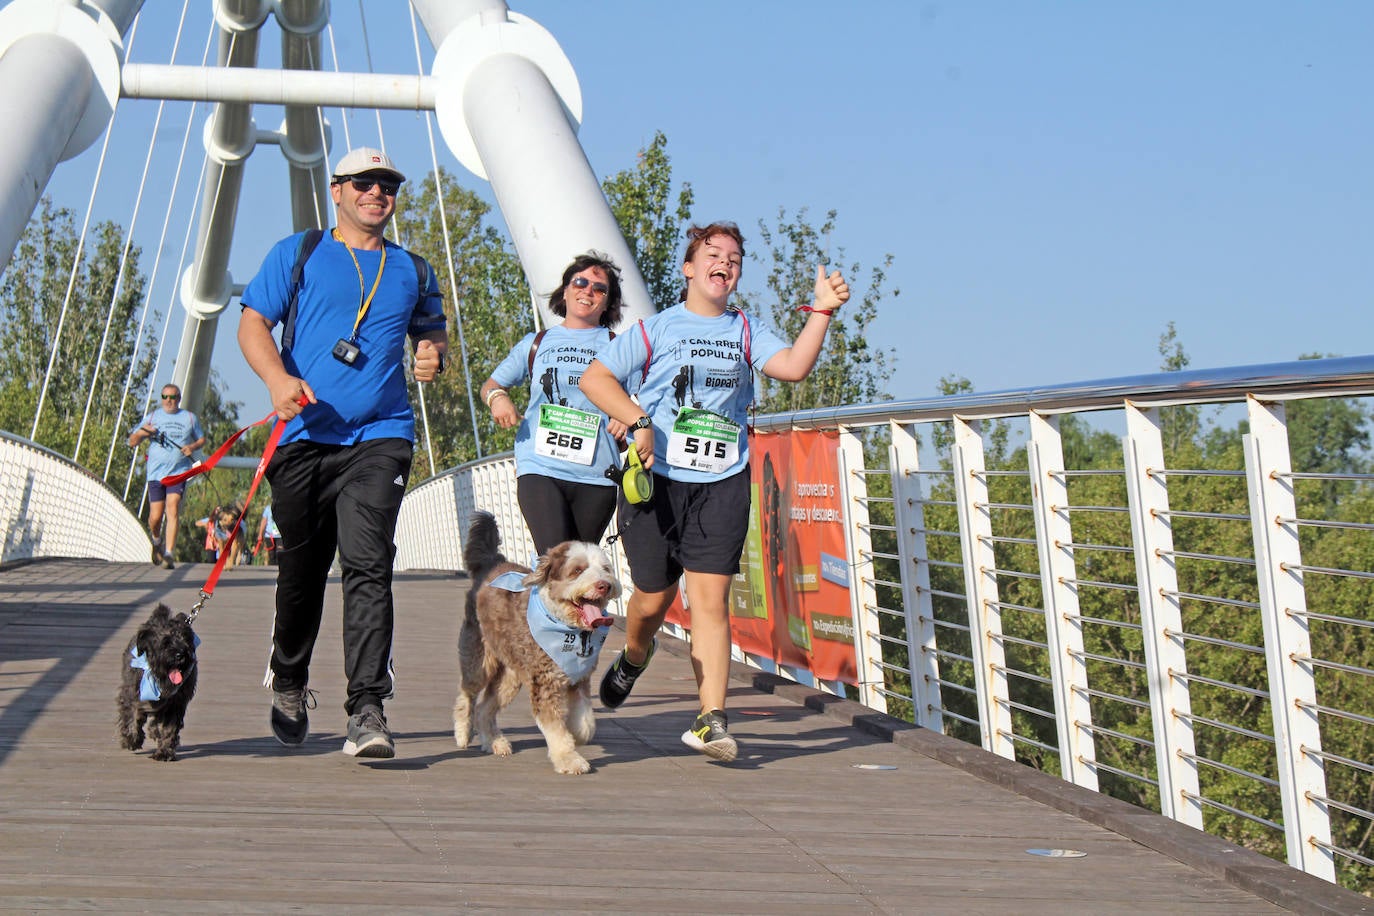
(346, 352)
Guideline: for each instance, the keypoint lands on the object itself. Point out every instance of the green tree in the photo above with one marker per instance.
(32, 295)
(850, 370)
(101, 308)
(488, 312)
(652, 218)
(1180, 425)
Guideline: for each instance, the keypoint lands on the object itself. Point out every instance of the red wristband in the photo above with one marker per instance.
(826, 312)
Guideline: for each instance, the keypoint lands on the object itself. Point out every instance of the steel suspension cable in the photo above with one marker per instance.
(152, 280)
(419, 388)
(76, 258)
(343, 112)
(399, 234)
(181, 262)
(448, 250)
(124, 258)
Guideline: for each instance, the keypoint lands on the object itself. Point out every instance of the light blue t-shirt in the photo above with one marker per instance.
(367, 400)
(174, 430)
(269, 528)
(558, 364)
(698, 364)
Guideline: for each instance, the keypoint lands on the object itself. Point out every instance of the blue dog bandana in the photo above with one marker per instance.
(148, 690)
(574, 650)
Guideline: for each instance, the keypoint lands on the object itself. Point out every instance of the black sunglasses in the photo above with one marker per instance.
(363, 185)
(171, 397)
(600, 289)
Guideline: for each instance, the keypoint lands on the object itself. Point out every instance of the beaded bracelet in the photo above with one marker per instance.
(493, 393)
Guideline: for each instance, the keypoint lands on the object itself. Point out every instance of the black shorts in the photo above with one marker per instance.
(157, 493)
(696, 527)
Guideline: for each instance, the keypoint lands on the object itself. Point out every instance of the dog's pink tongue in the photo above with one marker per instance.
(174, 676)
(593, 616)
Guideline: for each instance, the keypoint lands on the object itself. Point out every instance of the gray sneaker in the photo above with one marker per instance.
(708, 735)
(368, 735)
(157, 551)
(290, 722)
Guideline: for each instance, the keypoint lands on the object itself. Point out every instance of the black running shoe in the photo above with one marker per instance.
(168, 562)
(157, 551)
(620, 678)
(368, 735)
(709, 736)
(290, 722)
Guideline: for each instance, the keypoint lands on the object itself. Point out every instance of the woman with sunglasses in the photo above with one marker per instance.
(564, 445)
(693, 367)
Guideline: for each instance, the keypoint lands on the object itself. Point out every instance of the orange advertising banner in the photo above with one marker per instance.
(793, 603)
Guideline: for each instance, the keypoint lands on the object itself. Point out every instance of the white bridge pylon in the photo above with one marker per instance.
(504, 93)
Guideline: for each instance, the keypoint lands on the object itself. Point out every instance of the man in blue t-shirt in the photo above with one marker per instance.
(341, 469)
(173, 435)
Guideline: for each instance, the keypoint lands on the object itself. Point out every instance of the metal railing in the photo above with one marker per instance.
(1182, 619)
(55, 508)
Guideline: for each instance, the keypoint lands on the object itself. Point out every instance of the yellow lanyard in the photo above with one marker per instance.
(363, 303)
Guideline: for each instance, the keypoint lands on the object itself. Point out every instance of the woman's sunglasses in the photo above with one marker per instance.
(600, 289)
(363, 185)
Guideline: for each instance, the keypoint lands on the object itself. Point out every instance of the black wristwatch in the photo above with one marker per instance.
(642, 423)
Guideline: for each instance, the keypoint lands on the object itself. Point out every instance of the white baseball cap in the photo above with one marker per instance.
(366, 159)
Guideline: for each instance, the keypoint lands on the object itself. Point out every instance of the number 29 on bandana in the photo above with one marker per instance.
(566, 433)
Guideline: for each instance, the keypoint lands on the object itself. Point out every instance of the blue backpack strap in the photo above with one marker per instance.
(421, 271)
(424, 324)
(309, 240)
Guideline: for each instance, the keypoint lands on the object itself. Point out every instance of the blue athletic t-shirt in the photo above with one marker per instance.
(369, 399)
(174, 430)
(558, 364)
(697, 367)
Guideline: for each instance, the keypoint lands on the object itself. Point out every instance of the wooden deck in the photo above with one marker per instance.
(801, 823)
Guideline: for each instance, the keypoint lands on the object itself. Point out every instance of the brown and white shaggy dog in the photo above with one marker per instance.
(497, 652)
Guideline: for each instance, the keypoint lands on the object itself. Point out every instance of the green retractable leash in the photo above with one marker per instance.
(636, 481)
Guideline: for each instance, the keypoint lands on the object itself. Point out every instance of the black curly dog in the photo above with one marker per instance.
(157, 682)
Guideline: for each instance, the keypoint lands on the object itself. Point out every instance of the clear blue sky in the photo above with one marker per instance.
(1056, 180)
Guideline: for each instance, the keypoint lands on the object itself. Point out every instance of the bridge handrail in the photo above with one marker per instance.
(1338, 376)
(53, 507)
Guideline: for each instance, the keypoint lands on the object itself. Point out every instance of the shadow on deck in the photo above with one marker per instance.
(830, 808)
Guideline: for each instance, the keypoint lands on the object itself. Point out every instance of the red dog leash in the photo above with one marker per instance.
(208, 590)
